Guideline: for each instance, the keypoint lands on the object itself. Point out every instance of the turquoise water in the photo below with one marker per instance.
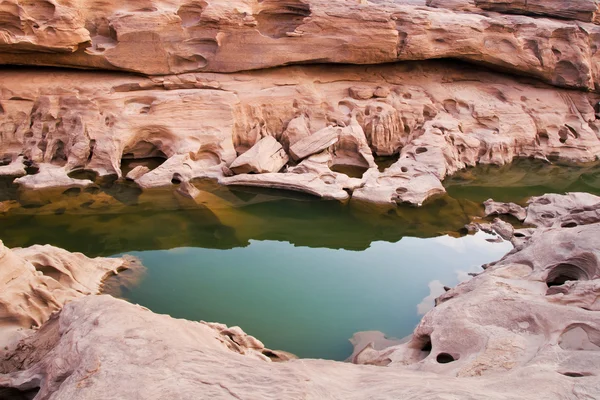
(310, 301)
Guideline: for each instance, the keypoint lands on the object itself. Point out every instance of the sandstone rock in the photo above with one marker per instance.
(583, 10)
(39, 280)
(216, 36)
(382, 92)
(51, 176)
(503, 229)
(361, 93)
(315, 143)
(516, 316)
(495, 208)
(197, 360)
(265, 156)
(569, 210)
(457, 5)
(296, 130)
(14, 168)
(436, 129)
(137, 172)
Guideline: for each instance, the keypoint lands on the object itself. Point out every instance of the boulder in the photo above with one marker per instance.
(267, 155)
(315, 143)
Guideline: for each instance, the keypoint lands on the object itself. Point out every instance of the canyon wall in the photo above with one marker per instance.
(223, 90)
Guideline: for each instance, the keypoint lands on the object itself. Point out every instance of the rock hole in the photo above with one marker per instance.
(562, 273)
(519, 235)
(16, 394)
(5, 160)
(191, 13)
(59, 153)
(569, 225)
(573, 374)
(579, 338)
(31, 168)
(384, 162)
(278, 17)
(49, 271)
(176, 180)
(421, 150)
(404, 169)
(92, 148)
(427, 346)
(444, 358)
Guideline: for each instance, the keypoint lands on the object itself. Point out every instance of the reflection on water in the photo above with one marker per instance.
(302, 275)
(305, 300)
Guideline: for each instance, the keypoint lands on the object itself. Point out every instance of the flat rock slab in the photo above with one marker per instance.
(315, 143)
(267, 155)
(583, 10)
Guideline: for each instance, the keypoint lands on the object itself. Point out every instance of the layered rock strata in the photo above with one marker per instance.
(175, 37)
(523, 328)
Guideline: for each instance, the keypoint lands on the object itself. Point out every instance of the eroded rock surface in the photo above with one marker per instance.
(39, 280)
(175, 37)
(438, 118)
(267, 155)
(531, 308)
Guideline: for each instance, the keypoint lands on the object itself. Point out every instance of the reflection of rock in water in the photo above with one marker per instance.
(522, 179)
(120, 285)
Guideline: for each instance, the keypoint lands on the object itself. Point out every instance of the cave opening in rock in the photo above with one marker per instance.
(384, 162)
(8, 393)
(143, 154)
(562, 273)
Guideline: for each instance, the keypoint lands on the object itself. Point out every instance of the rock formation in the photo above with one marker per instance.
(449, 117)
(39, 280)
(439, 117)
(189, 90)
(175, 37)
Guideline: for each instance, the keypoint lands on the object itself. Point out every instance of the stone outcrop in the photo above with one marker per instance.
(215, 94)
(531, 308)
(524, 328)
(267, 155)
(39, 280)
(166, 37)
(315, 143)
(582, 10)
(198, 124)
(496, 208)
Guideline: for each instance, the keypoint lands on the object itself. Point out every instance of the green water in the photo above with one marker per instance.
(300, 274)
(310, 301)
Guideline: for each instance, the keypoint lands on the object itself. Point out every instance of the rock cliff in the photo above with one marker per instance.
(287, 94)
